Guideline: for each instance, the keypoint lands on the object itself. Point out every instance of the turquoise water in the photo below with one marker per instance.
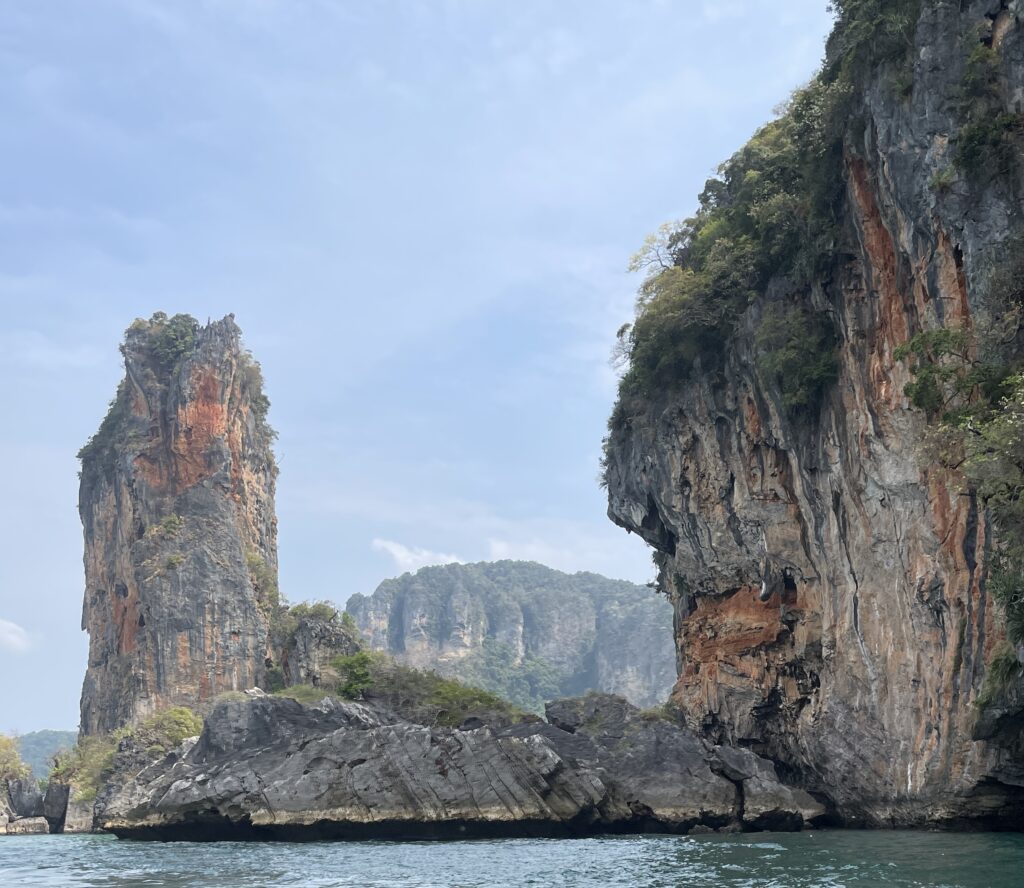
(756, 860)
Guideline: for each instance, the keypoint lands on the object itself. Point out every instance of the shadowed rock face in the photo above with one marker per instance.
(587, 631)
(828, 582)
(177, 506)
(272, 768)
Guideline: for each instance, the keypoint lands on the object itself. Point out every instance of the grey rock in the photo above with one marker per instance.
(80, 817)
(177, 506)
(28, 826)
(26, 797)
(827, 576)
(270, 767)
(311, 648)
(55, 805)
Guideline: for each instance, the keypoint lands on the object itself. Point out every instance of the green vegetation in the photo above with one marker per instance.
(971, 386)
(1003, 669)
(101, 445)
(171, 525)
(942, 182)
(11, 765)
(38, 748)
(86, 765)
(533, 630)
(252, 386)
(91, 760)
(264, 582)
(419, 696)
(989, 142)
(355, 673)
(174, 561)
(946, 377)
(314, 610)
(528, 684)
(797, 349)
(771, 213)
(170, 339)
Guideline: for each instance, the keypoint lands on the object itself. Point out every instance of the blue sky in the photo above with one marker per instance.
(420, 213)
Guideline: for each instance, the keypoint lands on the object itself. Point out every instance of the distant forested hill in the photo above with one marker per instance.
(38, 748)
(525, 631)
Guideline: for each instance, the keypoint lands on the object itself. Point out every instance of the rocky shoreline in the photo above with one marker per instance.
(270, 768)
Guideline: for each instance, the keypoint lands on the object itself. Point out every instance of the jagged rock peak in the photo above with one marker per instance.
(177, 507)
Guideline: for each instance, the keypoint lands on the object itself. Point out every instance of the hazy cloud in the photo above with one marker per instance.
(13, 638)
(412, 558)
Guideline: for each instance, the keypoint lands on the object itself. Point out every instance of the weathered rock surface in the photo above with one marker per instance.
(272, 768)
(177, 505)
(26, 798)
(574, 632)
(828, 582)
(55, 805)
(79, 817)
(312, 646)
(28, 826)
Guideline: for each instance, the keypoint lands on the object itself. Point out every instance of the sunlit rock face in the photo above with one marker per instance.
(828, 578)
(177, 507)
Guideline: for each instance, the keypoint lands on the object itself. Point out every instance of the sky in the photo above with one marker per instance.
(420, 213)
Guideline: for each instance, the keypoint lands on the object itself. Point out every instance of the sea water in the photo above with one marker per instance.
(753, 860)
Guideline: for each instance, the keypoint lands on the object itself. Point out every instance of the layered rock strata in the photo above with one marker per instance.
(829, 580)
(272, 768)
(177, 506)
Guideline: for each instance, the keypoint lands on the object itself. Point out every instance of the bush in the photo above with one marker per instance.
(264, 582)
(11, 765)
(419, 696)
(90, 762)
(1003, 669)
(314, 610)
(85, 766)
(797, 350)
(170, 339)
(101, 445)
(772, 211)
(354, 673)
(988, 143)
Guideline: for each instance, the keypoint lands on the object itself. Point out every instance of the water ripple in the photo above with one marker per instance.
(834, 859)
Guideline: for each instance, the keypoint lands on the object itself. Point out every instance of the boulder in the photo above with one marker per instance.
(26, 797)
(79, 817)
(767, 802)
(28, 826)
(55, 805)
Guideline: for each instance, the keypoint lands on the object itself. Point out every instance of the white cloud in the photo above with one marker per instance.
(13, 638)
(412, 558)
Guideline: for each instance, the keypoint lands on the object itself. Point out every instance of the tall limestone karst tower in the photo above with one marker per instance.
(177, 507)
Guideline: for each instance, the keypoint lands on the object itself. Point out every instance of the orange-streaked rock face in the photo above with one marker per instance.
(860, 667)
(176, 499)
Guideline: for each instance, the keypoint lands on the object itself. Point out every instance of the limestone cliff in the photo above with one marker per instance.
(177, 506)
(525, 631)
(829, 575)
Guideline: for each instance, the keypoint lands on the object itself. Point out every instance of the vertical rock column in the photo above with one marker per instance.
(177, 508)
